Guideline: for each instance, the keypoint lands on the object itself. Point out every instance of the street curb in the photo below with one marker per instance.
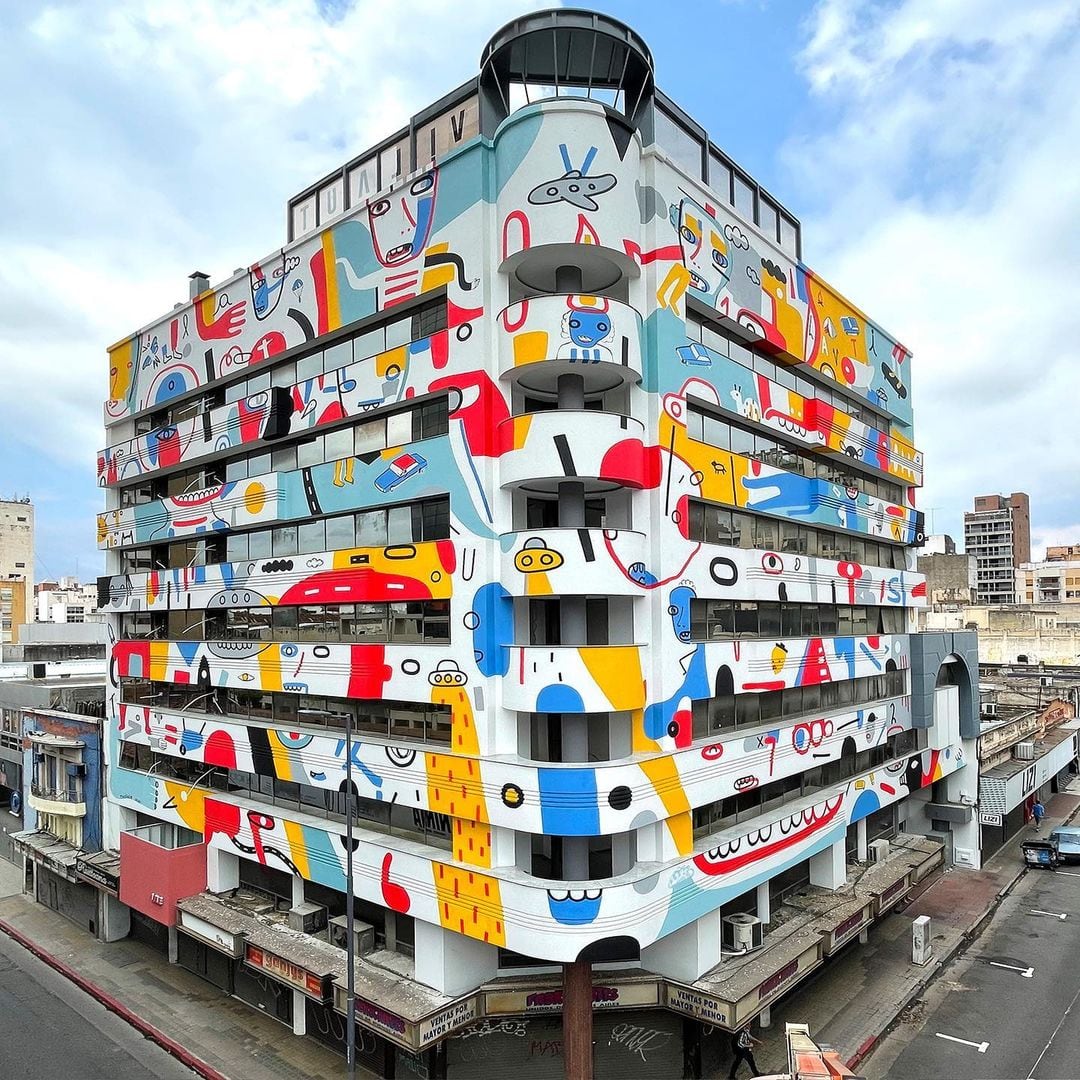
(171, 1046)
(968, 936)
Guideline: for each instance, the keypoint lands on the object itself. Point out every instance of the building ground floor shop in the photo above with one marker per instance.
(1008, 792)
(240, 943)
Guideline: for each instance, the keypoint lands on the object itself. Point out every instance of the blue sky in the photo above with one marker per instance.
(929, 149)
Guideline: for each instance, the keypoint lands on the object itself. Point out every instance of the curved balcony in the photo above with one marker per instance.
(574, 678)
(553, 562)
(567, 194)
(592, 336)
(603, 449)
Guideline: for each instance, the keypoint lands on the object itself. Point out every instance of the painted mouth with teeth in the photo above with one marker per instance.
(793, 829)
(574, 907)
(197, 498)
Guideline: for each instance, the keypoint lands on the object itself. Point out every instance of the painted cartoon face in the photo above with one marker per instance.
(121, 366)
(587, 328)
(704, 249)
(769, 840)
(401, 222)
(679, 610)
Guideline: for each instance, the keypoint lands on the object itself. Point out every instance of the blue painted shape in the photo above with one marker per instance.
(559, 698)
(191, 740)
(695, 685)
(324, 859)
(188, 650)
(866, 804)
(494, 629)
(574, 912)
(568, 805)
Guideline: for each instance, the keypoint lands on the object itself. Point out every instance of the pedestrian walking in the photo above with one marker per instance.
(1038, 812)
(742, 1043)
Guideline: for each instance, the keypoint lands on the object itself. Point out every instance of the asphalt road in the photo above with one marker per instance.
(51, 1030)
(1013, 1025)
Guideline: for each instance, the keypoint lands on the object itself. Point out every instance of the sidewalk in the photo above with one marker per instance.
(849, 1002)
(226, 1034)
(855, 997)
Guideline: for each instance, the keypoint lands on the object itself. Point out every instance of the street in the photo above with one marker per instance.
(1009, 1006)
(51, 1029)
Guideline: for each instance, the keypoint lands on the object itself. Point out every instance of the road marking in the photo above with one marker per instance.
(1064, 1017)
(981, 1047)
(1025, 973)
(1068, 873)
(1053, 914)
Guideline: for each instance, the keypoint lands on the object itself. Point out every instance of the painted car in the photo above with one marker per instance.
(399, 470)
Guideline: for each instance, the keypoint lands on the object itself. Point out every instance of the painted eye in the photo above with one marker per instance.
(575, 324)
(422, 184)
(688, 235)
(379, 208)
(602, 327)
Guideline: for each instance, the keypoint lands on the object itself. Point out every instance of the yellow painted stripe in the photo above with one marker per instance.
(333, 303)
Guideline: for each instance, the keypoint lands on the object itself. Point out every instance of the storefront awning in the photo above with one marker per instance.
(101, 869)
(57, 855)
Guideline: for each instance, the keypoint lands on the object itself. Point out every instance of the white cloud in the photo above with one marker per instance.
(152, 140)
(948, 205)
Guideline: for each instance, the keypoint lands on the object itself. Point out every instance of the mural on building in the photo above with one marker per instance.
(429, 236)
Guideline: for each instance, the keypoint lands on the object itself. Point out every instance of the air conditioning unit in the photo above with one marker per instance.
(1046, 680)
(742, 933)
(878, 850)
(363, 935)
(990, 709)
(308, 918)
(1024, 751)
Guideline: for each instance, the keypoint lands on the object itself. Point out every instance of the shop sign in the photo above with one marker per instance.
(989, 819)
(307, 981)
(778, 983)
(388, 1023)
(98, 876)
(223, 940)
(838, 935)
(703, 1006)
(892, 894)
(440, 1024)
(533, 1002)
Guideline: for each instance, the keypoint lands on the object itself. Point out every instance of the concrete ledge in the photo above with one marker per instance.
(167, 1044)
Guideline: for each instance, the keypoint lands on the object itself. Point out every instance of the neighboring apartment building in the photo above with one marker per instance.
(1054, 580)
(548, 469)
(66, 601)
(997, 531)
(16, 565)
(950, 584)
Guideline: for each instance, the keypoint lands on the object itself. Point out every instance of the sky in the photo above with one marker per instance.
(929, 150)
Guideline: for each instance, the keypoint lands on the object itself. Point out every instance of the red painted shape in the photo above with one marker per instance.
(227, 324)
(440, 349)
(919, 590)
(153, 878)
(776, 684)
(632, 463)
(132, 658)
(482, 412)
(318, 279)
(715, 867)
(458, 316)
(394, 896)
(353, 586)
(368, 671)
(447, 555)
(268, 345)
(220, 750)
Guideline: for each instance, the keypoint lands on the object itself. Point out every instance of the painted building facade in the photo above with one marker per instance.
(545, 457)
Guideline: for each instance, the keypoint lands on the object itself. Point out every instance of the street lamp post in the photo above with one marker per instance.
(350, 983)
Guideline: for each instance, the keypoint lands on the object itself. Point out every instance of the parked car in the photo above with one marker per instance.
(399, 470)
(1068, 843)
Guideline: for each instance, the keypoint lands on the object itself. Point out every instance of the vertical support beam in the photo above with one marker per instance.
(764, 903)
(862, 851)
(297, 890)
(577, 1020)
(765, 1017)
(174, 945)
(299, 1013)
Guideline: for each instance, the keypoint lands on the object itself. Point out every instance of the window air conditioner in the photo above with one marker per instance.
(878, 850)
(742, 933)
(308, 918)
(363, 935)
